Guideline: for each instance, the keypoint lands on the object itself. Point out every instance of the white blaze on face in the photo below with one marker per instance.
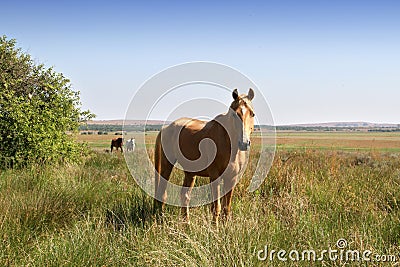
(245, 134)
(243, 110)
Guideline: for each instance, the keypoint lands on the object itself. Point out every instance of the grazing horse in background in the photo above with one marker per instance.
(216, 149)
(117, 143)
(130, 145)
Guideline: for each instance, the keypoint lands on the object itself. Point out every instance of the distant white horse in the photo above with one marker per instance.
(130, 145)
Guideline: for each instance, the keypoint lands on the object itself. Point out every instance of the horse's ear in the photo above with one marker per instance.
(235, 94)
(250, 94)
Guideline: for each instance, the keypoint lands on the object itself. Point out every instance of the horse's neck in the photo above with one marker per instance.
(225, 122)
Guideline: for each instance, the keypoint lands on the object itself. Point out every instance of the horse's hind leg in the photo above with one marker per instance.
(187, 187)
(216, 205)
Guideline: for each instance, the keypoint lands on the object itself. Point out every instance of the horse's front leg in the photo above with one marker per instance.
(229, 185)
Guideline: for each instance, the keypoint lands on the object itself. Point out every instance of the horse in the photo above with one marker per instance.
(130, 144)
(211, 149)
(117, 143)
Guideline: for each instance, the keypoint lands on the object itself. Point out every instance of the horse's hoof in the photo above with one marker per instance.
(186, 222)
(215, 222)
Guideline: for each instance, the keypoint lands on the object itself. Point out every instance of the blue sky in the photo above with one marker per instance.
(315, 61)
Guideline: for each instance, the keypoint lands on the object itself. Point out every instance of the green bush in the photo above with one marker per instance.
(38, 110)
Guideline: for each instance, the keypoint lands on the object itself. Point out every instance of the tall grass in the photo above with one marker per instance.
(94, 214)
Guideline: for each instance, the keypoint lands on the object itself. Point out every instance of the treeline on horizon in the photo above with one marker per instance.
(109, 128)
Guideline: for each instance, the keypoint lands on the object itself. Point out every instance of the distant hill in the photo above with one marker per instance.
(346, 125)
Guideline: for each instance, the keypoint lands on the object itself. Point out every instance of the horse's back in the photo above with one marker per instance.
(183, 134)
(189, 124)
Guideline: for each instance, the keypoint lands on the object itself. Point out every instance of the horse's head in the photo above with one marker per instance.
(243, 108)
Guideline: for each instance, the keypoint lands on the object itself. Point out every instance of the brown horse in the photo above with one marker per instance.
(117, 143)
(209, 149)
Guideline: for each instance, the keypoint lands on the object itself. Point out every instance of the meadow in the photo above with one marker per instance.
(322, 187)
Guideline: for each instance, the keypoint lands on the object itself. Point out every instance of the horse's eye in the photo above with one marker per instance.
(252, 114)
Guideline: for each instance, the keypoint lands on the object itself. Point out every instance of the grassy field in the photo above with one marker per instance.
(351, 141)
(322, 187)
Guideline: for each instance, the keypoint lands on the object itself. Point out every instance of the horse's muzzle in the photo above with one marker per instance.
(244, 146)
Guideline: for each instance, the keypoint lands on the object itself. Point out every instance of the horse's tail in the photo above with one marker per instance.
(158, 150)
(157, 161)
(162, 172)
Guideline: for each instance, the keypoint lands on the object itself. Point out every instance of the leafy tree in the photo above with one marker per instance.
(38, 111)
